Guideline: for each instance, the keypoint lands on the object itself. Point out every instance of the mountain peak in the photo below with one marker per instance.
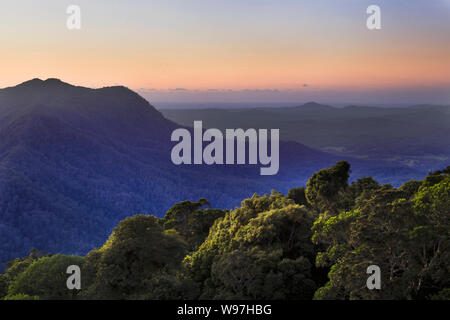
(311, 103)
(118, 104)
(314, 106)
(38, 83)
(55, 81)
(31, 83)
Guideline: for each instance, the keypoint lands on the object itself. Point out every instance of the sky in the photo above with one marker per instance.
(235, 50)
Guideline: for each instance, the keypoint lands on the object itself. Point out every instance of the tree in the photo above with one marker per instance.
(45, 278)
(3, 286)
(138, 249)
(261, 250)
(298, 195)
(432, 237)
(325, 186)
(191, 222)
(16, 267)
(374, 234)
(410, 188)
(407, 237)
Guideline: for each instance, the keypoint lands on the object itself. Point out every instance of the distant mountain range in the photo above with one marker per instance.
(416, 136)
(75, 161)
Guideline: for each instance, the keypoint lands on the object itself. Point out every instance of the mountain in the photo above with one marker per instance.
(75, 161)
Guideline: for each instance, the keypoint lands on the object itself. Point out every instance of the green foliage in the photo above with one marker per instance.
(298, 195)
(444, 294)
(45, 278)
(258, 251)
(325, 187)
(410, 188)
(15, 268)
(3, 286)
(167, 286)
(432, 207)
(21, 296)
(137, 249)
(191, 222)
(408, 238)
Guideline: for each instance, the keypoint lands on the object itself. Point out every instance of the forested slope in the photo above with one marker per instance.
(313, 243)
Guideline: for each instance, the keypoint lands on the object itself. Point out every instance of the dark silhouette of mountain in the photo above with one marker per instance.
(75, 161)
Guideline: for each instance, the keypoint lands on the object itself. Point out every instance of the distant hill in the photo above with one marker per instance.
(75, 161)
(415, 137)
